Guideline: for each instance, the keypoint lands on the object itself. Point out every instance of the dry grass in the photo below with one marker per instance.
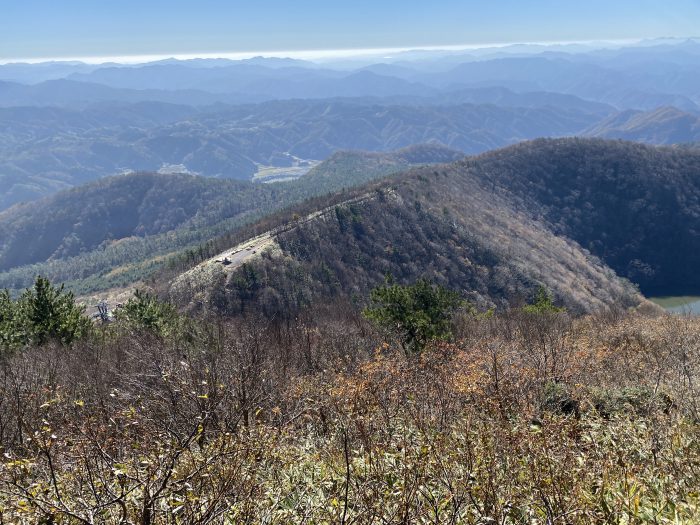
(523, 419)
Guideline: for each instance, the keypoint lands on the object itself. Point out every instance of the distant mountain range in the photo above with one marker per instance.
(633, 77)
(47, 149)
(44, 150)
(66, 123)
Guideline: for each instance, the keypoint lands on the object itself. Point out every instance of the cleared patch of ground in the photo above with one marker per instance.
(297, 168)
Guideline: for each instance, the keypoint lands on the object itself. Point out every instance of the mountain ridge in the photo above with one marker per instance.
(664, 125)
(429, 222)
(571, 214)
(47, 149)
(84, 232)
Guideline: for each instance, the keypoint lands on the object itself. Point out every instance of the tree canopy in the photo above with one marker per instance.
(417, 313)
(41, 314)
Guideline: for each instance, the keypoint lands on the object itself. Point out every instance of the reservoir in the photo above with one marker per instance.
(686, 304)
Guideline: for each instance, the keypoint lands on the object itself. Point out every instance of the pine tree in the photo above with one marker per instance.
(49, 313)
(417, 314)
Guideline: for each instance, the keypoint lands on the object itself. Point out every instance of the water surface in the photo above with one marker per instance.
(681, 304)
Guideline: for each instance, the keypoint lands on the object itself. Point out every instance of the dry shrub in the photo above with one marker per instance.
(522, 419)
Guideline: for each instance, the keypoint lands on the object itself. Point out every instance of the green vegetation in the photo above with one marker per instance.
(41, 314)
(147, 312)
(543, 303)
(418, 314)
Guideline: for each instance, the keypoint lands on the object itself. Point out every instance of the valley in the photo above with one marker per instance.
(87, 238)
(297, 168)
(69, 124)
(454, 285)
(46, 149)
(628, 218)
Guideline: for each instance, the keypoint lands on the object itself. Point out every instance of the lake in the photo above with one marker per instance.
(679, 304)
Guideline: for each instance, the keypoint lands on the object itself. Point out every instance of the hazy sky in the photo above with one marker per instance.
(82, 28)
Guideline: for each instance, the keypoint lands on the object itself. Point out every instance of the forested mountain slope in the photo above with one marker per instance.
(123, 220)
(494, 226)
(115, 208)
(444, 223)
(357, 167)
(635, 206)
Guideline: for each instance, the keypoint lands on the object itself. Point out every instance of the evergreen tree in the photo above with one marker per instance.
(42, 313)
(417, 313)
(50, 313)
(9, 334)
(543, 303)
(144, 310)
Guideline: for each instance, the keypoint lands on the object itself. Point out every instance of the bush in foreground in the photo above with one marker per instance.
(318, 421)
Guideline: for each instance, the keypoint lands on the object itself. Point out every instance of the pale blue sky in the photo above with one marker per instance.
(81, 28)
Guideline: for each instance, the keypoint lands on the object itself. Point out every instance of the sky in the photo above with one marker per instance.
(62, 29)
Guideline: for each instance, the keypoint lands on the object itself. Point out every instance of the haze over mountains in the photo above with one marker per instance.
(63, 123)
(665, 68)
(317, 130)
(356, 280)
(585, 217)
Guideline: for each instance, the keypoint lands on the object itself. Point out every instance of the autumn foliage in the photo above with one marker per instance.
(523, 418)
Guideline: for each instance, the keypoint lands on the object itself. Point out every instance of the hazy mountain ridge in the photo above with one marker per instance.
(91, 229)
(228, 118)
(45, 149)
(607, 75)
(74, 94)
(666, 125)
